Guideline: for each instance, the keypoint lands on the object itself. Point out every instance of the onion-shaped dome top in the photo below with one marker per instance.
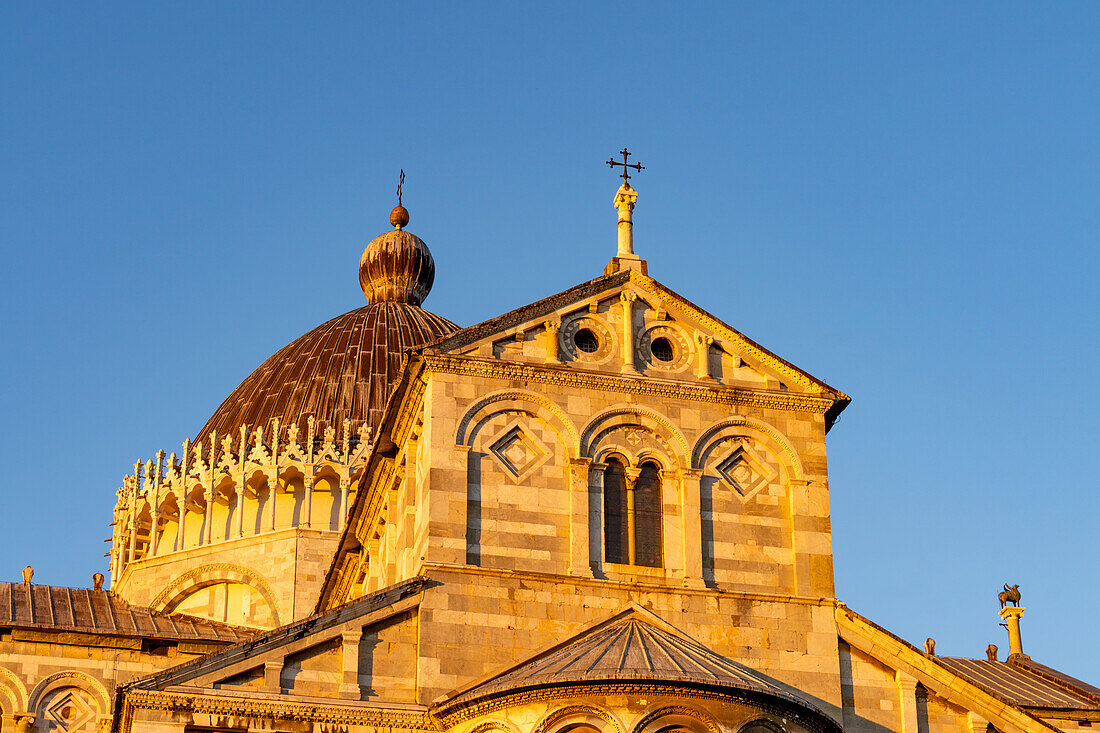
(397, 266)
(347, 367)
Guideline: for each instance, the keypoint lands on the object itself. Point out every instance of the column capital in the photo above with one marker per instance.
(905, 681)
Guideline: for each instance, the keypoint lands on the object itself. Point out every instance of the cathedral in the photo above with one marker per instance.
(606, 511)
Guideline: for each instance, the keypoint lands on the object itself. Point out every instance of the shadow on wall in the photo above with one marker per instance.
(473, 507)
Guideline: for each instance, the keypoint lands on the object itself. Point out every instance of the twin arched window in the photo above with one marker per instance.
(632, 513)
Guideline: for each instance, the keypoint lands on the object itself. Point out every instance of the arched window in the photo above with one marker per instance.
(647, 516)
(616, 508)
(632, 514)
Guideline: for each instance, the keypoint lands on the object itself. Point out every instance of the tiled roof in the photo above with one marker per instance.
(629, 648)
(100, 612)
(267, 641)
(1023, 683)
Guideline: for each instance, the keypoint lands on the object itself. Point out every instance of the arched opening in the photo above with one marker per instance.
(647, 516)
(229, 602)
(632, 514)
(616, 510)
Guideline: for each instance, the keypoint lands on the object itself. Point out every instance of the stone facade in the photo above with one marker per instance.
(608, 466)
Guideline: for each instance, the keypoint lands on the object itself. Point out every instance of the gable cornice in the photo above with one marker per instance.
(875, 641)
(567, 376)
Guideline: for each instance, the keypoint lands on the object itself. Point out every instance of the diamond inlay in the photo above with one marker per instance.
(518, 452)
(745, 472)
(69, 711)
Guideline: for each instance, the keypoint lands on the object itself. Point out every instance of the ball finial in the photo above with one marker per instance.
(399, 217)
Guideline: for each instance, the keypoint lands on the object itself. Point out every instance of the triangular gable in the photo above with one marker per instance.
(486, 338)
(938, 677)
(259, 662)
(632, 645)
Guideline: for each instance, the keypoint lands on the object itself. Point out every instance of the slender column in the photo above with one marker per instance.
(345, 485)
(272, 492)
(208, 527)
(1011, 616)
(181, 527)
(243, 483)
(154, 517)
(631, 475)
(304, 522)
(158, 485)
(273, 472)
(628, 299)
(181, 500)
(349, 684)
(133, 531)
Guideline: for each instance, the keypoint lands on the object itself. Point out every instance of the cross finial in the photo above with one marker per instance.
(625, 175)
(400, 185)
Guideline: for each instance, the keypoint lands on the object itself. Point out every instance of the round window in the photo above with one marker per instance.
(586, 341)
(662, 349)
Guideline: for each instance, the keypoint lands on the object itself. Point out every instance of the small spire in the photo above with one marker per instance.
(625, 198)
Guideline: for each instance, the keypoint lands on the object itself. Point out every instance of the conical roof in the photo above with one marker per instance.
(633, 646)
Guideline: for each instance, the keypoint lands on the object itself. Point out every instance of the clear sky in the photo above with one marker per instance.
(900, 198)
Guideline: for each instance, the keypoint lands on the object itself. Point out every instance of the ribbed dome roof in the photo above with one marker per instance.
(345, 368)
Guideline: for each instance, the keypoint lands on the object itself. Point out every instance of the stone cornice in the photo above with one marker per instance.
(470, 366)
(270, 708)
(819, 723)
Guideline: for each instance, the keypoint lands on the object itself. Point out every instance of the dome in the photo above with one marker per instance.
(347, 367)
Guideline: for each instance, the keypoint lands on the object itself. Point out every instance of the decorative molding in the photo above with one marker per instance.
(681, 361)
(589, 433)
(814, 720)
(530, 456)
(205, 575)
(71, 678)
(519, 396)
(563, 376)
(500, 724)
(606, 341)
(568, 714)
(710, 436)
(346, 714)
(159, 489)
(682, 710)
(10, 681)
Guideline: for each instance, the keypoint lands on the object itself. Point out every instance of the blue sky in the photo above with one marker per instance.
(900, 198)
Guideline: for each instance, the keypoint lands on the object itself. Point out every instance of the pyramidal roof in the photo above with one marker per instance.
(633, 645)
